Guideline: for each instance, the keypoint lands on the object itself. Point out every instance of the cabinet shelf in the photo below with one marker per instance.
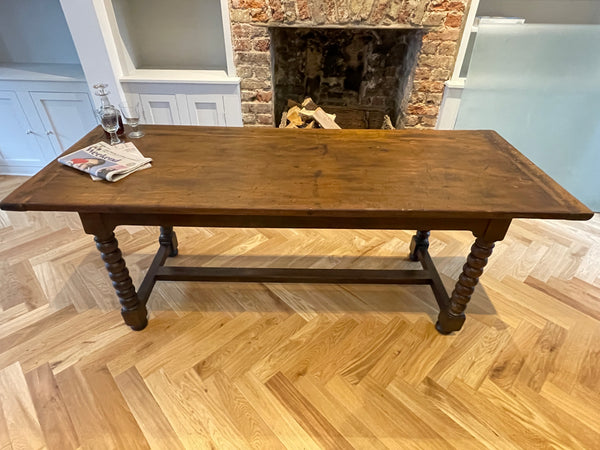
(179, 76)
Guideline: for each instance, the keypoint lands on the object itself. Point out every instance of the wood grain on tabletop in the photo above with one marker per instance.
(360, 173)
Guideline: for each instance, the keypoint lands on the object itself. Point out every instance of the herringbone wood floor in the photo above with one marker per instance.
(297, 366)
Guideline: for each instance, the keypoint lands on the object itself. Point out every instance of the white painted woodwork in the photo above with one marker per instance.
(122, 45)
(52, 103)
(450, 105)
(160, 109)
(20, 153)
(96, 52)
(66, 116)
(206, 110)
(186, 102)
(190, 37)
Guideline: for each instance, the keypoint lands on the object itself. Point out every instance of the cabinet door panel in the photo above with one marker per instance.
(18, 144)
(66, 116)
(207, 110)
(160, 109)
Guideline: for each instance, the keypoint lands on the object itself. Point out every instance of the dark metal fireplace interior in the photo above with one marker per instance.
(358, 73)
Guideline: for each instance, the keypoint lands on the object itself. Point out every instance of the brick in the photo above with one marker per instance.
(428, 122)
(318, 11)
(244, 71)
(248, 119)
(277, 11)
(422, 73)
(257, 108)
(239, 31)
(343, 13)
(262, 45)
(434, 19)
(447, 48)
(259, 15)
(410, 120)
(264, 96)
(380, 11)
(447, 6)
(248, 96)
(242, 45)
(253, 83)
(430, 47)
(248, 4)
(262, 73)
(303, 10)
(422, 110)
(331, 11)
(251, 58)
(453, 20)
(265, 119)
(416, 11)
(440, 74)
(246, 30)
(240, 15)
(429, 86)
(436, 61)
(418, 97)
(289, 11)
(434, 99)
(446, 34)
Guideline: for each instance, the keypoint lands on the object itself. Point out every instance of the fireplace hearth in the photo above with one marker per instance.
(359, 73)
(427, 31)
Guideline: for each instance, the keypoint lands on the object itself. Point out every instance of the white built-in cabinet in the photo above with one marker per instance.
(174, 57)
(189, 103)
(42, 114)
(45, 104)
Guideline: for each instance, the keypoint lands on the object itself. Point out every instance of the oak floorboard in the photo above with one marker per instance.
(250, 365)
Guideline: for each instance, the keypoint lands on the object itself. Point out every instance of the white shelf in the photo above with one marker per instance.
(458, 83)
(174, 35)
(41, 72)
(179, 76)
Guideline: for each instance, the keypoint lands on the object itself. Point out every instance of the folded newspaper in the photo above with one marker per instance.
(107, 162)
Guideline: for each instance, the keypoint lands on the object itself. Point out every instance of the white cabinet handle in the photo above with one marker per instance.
(49, 132)
(29, 132)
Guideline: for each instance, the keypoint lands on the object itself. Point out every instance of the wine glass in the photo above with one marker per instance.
(131, 113)
(109, 118)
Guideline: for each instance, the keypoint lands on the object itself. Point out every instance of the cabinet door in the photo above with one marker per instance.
(20, 152)
(206, 110)
(161, 109)
(67, 116)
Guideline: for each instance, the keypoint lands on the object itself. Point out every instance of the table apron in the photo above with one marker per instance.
(479, 227)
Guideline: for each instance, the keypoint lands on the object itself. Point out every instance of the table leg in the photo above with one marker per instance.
(168, 237)
(452, 319)
(134, 313)
(420, 241)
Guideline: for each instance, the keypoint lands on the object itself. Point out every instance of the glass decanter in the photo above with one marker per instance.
(105, 104)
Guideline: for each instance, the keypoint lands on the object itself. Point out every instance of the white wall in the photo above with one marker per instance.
(191, 33)
(35, 31)
(544, 11)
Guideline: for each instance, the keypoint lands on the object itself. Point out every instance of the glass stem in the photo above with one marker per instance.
(114, 139)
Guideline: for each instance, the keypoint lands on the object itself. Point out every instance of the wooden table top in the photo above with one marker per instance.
(326, 173)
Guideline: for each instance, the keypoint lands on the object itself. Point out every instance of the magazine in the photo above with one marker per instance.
(107, 162)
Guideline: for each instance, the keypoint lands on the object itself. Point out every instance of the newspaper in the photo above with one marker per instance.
(107, 162)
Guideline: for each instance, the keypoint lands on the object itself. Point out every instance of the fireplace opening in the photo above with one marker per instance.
(358, 73)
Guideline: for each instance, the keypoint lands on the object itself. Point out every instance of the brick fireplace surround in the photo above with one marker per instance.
(441, 21)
